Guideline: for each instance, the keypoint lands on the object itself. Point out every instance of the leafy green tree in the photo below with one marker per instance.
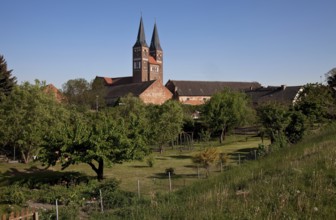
(7, 81)
(274, 119)
(315, 102)
(166, 123)
(76, 92)
(296, 127)
(331, 79)
(26, 114)
(226, 110)
(206, 158)
(98, 139)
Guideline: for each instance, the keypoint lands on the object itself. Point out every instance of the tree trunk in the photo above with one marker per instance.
(99, 170)
(222, 136)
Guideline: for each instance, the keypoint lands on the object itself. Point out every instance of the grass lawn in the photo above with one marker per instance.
(152, 179)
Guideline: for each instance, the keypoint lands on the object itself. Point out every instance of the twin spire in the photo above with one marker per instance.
(141, 39)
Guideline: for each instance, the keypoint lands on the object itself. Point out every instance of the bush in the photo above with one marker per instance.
(13, 194)
(170, 170)
(150, 161)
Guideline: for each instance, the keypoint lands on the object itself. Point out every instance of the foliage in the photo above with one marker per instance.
(13, 195)
(206, 158)
(26, 114)
(274, 119)
(150, 161)
(170, 171)
(226, 110)
(296, 127)
(76, 92)
(331, 80)
(315, 102)
(165, 122)
(97, 139)
(7, 81)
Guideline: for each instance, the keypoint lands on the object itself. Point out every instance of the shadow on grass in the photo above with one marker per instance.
(35, 177)
(181, 157)
(139, 166)
(174, 176)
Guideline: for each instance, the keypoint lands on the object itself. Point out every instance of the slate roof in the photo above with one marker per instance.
(206, 88)
(122, 90)
(280, 94)
(141, 39)
(155, 42)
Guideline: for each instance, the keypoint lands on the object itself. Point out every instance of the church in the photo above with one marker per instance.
(147, 79)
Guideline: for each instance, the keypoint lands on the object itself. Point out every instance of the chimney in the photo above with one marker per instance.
(283, 87)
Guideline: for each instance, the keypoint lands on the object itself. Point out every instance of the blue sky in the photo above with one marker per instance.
(274, 42)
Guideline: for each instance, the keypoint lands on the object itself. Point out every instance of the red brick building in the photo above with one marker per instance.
(147, 79)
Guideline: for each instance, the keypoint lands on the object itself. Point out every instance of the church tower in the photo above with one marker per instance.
(155, 51)
(147, 61)
(140, 56)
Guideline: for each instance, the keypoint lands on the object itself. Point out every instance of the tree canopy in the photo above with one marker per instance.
(226, 110)
(25, 115)
(166, 122)
(7, 81)
(97, 138)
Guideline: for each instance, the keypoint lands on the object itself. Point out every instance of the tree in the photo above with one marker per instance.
(206, 158)
(106, 137)
(315, 102)
(274, 119)
(226, 110)
(296, 127)
(331, 79)
(7, 82)
(166, 123)
(76, 92)
(26, 114)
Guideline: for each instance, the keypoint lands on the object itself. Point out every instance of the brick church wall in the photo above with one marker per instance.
(156, 94)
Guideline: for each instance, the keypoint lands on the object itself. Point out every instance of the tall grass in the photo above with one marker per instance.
(298, 182)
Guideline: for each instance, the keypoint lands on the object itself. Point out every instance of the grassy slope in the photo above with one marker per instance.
(299, 182)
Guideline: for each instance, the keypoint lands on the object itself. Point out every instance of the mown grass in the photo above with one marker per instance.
(298, 182)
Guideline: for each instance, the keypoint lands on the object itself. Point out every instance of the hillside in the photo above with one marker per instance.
(298, 182)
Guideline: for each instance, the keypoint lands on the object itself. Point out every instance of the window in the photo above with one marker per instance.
(137, 64)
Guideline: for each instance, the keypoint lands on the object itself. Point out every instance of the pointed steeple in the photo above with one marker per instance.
(141, 39)
(155, 42)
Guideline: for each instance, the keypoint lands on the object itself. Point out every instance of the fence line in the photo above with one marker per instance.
(24, 214)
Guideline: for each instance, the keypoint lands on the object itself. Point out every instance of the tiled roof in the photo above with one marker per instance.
(206, 88)
(122, 90)
(116, 81)
(280, 94)
(151, 60)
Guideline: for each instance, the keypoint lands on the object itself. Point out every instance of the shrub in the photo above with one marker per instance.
(150, 161)
(170, 170)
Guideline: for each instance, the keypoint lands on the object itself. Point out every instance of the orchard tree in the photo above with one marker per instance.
(226, 110)
(316, 102)
(98, 139)
(76, 92)
(25, 115)
(7, 81)
(166, 122)
(206, 158)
